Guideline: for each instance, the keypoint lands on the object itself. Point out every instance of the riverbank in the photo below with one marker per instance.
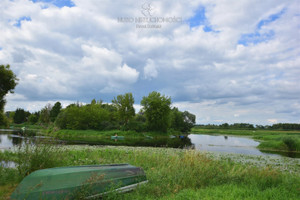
(273, 140)
(270, 140)
(172, 173)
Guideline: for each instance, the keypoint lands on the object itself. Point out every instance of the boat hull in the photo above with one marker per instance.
(89, 181)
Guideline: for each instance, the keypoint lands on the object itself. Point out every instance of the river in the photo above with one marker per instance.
(206, 143)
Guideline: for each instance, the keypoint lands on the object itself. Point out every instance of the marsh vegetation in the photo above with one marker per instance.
(172, 173)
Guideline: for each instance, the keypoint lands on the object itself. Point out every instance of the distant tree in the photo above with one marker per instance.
(93, 101)
(8, 82)
(55, 111)
(157, 111)
(286, 126)
(45, 114)
(34, 118)
(225, 125)
(124, 104)
(20, 116)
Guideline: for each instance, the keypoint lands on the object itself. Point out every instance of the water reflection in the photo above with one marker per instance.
(134, 141)
(229, 144)
(225, 144)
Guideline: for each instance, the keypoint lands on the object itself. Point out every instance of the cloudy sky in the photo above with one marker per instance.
(225, 61)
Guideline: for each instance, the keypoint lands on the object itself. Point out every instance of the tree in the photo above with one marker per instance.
(33, 118)
(157, 111)
(91, 116)
(124, 104)
(45, 114)
(55, 111)
(8, 82)
(189, 121)
(182, 121)
(20, 116)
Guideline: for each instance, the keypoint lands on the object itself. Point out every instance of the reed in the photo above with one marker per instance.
(175, 173)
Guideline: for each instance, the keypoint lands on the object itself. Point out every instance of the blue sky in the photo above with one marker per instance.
(19, 21)
(234, 62)
(58, 3)
(257, 36)
(199, 19)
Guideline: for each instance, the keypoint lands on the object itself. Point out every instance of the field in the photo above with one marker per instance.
(172, 173)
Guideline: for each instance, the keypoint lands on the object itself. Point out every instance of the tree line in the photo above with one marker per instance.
(278, 126)
(156, 115)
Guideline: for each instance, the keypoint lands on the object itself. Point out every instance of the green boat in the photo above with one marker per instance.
(90, 181)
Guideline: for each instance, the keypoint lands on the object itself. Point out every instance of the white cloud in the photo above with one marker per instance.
(82, 52)
(150, 70)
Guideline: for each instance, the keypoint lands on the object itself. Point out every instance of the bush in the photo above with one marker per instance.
(290, 143)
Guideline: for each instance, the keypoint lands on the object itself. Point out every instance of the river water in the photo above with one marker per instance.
(209, 143)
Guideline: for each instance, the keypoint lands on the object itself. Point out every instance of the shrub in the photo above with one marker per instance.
(290, 143)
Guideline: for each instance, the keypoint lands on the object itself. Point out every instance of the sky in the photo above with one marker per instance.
(225, 61)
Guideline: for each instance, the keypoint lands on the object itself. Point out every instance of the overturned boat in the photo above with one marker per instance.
(69, 182)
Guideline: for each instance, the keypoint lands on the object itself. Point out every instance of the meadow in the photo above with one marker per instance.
(172, 173)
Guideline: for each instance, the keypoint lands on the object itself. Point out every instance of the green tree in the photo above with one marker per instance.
(91, 116)
(157, 111)
(182, 121)
(8, 82)
(189, 121)
(45, 114)
(33, 118)
(55, 111)
(124, 104)
(20, 116)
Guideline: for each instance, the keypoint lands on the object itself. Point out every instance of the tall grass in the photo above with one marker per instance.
(170, 172)
(174, 173)
(39, 156)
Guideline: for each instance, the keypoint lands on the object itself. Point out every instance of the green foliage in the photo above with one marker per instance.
(291, 143)
(124, 104)
(8, 82)
(286, 126)
(155, 116)
(55, 111)
(177, 174)
(92, 116)
(38, 156)
(242, 126)
(20, 116)
(33, 118)
(45, 114)
(182, 121)
(157, 111)
(3, 120)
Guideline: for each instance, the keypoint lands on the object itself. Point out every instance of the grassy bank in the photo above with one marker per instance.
(275, 140)
(96, 133)
(172, 173)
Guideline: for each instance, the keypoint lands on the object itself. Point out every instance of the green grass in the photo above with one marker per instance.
(233, 191)
(172, 173)
(94, 133)
(275, 140)
(27, 125)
